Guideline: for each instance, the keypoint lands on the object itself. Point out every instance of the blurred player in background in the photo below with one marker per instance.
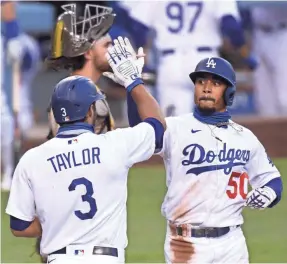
(186, 32)
(89, 226)
(10, 29)
(24, 50)
(270, 45)
(209, 161)
(9, 43)
(30, 65)
(90, 60)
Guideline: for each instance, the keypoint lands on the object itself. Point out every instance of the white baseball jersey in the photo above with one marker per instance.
(78, 186)
(269, 44)
(208, 169)
(269, 15)
(183, 24)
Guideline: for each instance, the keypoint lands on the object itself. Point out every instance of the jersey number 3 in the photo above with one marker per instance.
(238, 184)
(85, 198)
(178, 13)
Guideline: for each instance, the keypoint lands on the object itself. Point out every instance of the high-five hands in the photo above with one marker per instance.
(126, 64)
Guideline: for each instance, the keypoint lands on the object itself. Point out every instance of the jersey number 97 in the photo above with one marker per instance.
(182, 13)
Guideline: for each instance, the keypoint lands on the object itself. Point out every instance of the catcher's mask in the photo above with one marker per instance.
(72, 37)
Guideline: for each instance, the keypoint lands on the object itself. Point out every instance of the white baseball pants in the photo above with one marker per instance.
(229, 248)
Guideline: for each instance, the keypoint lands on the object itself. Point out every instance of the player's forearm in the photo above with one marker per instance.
(244, 51)
(33, 230)
(277, 186)
(232, 29)
(133, 114)
(147, 106)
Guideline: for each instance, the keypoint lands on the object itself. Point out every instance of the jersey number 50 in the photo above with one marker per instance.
(238, 183)
(85, 198)
(178, 13)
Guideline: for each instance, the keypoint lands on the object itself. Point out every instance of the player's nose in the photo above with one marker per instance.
(207, 87)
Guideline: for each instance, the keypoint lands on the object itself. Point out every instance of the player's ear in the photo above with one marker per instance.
(92, 111)
(88, 55)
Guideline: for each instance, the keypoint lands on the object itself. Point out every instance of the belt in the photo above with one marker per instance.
(108, 251)
(199, 49)
(270, 29)
(209, 232)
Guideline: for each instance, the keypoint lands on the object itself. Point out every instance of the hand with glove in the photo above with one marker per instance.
(260, 198)
(126, 64)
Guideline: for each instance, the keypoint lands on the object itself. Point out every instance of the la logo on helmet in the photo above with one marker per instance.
(211, 63)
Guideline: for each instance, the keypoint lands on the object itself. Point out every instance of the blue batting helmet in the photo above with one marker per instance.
(72, 98)
(219, 67)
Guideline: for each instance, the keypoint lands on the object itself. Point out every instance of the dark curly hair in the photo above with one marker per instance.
(71, 64)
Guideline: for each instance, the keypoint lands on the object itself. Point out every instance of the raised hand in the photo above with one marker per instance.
(125, 63)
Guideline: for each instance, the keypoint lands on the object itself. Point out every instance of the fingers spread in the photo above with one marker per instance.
(140, 52)
(122, 42)
(119, 51)
(129, 48)
(111, 56)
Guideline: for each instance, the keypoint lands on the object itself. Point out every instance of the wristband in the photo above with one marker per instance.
(134, 84)
(11, 29)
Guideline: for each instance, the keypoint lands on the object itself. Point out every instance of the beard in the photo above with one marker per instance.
(102, 66)
(206, 109)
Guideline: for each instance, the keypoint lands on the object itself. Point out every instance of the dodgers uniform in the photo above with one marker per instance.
(29, 66)
(87, 172)
(208, 169)
(270, 45)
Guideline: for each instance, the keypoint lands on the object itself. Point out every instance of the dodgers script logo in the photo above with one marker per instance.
(228, 158)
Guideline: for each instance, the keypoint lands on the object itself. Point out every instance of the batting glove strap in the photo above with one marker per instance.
(260, 198)
(135, 83)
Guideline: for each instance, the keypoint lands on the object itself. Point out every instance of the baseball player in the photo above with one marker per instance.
(209, 161)
(269, 42)
(29, 68)
(76, 183)
(29, 65)
(186, 32)
(9, 33)
(89, 61)
(23, 50)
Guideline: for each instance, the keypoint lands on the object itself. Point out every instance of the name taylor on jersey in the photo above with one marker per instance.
(73, 159)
